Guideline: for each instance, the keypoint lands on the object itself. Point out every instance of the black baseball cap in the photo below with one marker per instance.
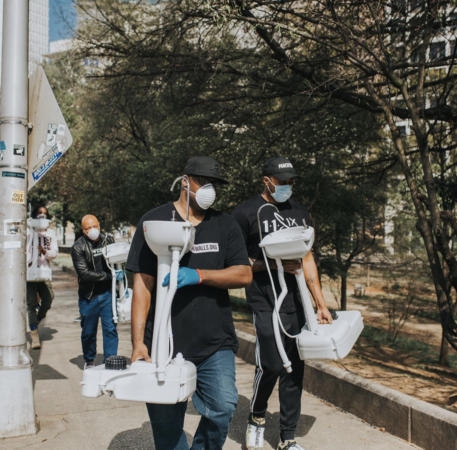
(280, 168)
(204, 166)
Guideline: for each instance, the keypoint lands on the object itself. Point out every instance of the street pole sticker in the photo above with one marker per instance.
(55, 155)
(18, 150)
(8, 173)
(13, 227)
(51, 136)
(12, 244)
(18, 197)
(2, 149)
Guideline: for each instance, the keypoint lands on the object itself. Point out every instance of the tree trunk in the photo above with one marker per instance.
(444, 351)
(429, 222)
(64, 225)
(343, 300)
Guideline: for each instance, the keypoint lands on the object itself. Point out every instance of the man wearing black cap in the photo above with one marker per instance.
(202, 323)
(278, 175)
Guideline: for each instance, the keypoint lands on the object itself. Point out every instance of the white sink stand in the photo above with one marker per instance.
(315, 341)
(165, 379)
(115, 256)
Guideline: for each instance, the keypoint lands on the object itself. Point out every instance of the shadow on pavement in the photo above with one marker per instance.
(46, 372)
(79, 361)
(46, 333)
(43, 371)
(238, 425)
(136, 439)
(239, 420)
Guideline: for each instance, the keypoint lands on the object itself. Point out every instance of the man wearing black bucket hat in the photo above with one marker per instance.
(278, 176)
(202, 323)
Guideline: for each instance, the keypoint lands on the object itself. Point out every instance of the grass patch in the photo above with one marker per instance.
(422, 306)
(422, 351)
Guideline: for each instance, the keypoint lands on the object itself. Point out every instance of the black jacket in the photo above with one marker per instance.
(83, 261)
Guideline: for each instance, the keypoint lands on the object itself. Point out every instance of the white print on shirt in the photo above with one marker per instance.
(279, 223)
(209, 247)
(97, 251)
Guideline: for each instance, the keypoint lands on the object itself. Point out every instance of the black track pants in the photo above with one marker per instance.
(269, 368)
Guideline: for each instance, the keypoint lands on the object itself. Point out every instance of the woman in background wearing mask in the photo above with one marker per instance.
(201, 314)
(278, 175)
(94, 290)
(41, 250)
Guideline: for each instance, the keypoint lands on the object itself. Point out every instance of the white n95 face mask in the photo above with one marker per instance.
(205, 196)
(93, 234)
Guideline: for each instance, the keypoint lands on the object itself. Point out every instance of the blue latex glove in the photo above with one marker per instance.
(120, 275)
(186, 277)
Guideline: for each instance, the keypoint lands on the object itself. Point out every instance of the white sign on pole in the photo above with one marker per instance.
(50, 137)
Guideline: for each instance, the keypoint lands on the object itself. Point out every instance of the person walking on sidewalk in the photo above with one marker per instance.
(201, 313)
(94, 290)
(41, 250)
(278, 175)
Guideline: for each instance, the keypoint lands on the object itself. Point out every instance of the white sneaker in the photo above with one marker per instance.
(254, 435)
(89, 365)
(289, 445)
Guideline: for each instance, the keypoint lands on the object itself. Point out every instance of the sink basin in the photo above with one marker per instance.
(161, 235)
(117, 253)
(289, 243)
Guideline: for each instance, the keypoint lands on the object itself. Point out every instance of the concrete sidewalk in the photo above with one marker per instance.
(69, 421)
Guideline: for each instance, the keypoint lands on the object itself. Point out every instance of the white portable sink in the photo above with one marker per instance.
(139, 382)
(117, 252)
(116, 255)
(164, 380)
(288, 243)
(315, 341)
(331, 341)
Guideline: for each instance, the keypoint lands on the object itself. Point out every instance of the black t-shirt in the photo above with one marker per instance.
(291, 213)
(201, 315)
(100, 265)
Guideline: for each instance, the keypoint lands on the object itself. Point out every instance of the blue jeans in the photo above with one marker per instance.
(91, 310)
(215, 399)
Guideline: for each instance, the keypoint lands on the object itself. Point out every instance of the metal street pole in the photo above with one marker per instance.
(17, 412)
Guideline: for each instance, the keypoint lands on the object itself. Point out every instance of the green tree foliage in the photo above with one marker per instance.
(382, 57)
(159, 89)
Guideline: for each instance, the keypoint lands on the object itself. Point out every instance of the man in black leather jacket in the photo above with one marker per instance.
(94, 290)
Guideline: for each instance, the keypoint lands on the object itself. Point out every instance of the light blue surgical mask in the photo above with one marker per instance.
(282, 192)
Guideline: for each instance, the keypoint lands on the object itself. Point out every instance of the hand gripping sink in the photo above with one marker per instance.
(315, 341)
(165, 379)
